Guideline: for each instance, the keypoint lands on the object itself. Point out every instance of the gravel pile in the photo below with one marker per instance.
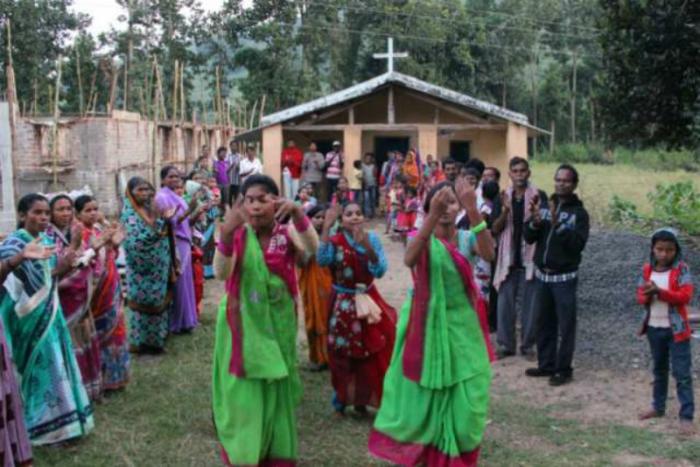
(609, 316)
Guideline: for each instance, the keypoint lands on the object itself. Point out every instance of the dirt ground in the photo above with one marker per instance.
(597, 396)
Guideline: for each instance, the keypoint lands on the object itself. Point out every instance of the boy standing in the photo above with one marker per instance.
(665, 290)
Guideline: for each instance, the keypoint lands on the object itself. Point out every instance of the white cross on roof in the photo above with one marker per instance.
(390, 55)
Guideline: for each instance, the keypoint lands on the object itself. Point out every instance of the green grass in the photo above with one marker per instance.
(598, 184)
(164, 418)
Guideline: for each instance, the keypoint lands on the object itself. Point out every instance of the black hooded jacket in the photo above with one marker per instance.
(559, 246)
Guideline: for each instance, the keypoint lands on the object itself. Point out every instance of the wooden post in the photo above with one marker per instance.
(573, 101)
(92, 91)
(252, 113)
(125, 102)
(551, 138)
(112, 89)
(12, 101)
(175, 84)
(182, 93)
(80, 80)
(262, 108)
(56, 113)
(159, 89)
(218, 96)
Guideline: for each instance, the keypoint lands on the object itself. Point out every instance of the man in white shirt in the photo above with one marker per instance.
(234, 160)
(250, 164)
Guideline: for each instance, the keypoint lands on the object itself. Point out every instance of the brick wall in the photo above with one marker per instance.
(95, 151)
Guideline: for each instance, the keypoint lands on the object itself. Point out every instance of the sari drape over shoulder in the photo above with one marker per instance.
(107, 311)
(149, 269)
(316, 286)
(256, 384)
(361, 326)
(183, 313)
(56, 406)
(436, 391)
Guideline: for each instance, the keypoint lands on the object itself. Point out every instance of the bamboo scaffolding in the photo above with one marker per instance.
(56, 114)
(176, 80)
(80, 81)
(183, 103)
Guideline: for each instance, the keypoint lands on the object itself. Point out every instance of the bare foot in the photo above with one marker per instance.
(686, 428)
(649, 414)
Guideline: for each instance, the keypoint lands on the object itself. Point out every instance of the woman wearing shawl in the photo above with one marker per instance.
(56, 406)
(149, 268)
(75, 292)
(411, 170)
(436, 392)
(183, 315)
(316, 285)
(106, 300)
(256, 384)
(15, 449)
(361, 327)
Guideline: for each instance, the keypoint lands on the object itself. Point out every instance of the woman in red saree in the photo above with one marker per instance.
(362, 325)
(75, 291)
(106, 301)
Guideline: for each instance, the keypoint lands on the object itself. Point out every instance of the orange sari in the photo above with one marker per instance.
(316, 284)
(410, 170)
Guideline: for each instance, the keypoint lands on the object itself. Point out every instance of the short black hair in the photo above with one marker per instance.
(571, 169)
(136, 182)
(449, 161)
(357, 164)
(316, 209)
(495, 170)
(166, 170)
(432, 192)
(490, 190)
(26, 202)
(262, 180)
(221, 148)
(58, 198)
(476, 164)
(517, 160)
(81, 201)
(473, 171)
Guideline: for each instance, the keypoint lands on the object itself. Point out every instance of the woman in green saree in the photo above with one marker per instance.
(436, 391)
(256, 384)
(56, 406)
(149, 267)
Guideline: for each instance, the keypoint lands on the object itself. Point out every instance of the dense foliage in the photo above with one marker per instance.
(608, 72)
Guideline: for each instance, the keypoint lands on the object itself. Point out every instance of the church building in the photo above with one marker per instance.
(395, 111)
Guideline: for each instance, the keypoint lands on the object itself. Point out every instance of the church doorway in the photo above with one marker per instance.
(385, 144)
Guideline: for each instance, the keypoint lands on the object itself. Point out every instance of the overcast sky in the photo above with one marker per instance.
(104, 13)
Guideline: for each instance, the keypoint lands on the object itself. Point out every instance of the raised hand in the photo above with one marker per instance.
(36, 250)
(534, 209)
(466, 194)
(506, 201)
(285, 208)
(360, 236)
(76, 236)
(168, 213)
(332, 215)
(233, 218)
(438, 205)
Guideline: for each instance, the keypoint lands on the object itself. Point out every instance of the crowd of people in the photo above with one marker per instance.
(481, 255)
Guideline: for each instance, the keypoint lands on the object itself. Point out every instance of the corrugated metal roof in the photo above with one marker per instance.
(371, 85)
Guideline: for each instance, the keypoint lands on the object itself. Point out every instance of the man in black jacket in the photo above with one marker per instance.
(560, 229)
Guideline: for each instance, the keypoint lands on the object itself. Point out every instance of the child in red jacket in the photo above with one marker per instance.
(665, 290)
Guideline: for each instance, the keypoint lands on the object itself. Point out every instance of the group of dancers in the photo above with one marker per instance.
(426, 370)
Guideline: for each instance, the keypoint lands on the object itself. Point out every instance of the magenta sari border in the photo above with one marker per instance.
(387, 448)
(414, 346)
(263, 462)
(233, 306)
(470, 287)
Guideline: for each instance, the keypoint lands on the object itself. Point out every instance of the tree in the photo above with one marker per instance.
(651, 71)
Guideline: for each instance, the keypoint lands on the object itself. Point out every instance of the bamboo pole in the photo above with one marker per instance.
(35, 103)
(218, 96)
(262, 108)
(159, 89)
(9, 197)
(56, 114)
(112, 89)
(125, 103)
(183, 105)
(252, 113)
(92, 93)
(80, 80)
(175, 83)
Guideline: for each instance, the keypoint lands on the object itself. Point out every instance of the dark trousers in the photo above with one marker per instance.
(664, 351)
(369, 201)
(515, 297)
(332, 184)
(555, 315)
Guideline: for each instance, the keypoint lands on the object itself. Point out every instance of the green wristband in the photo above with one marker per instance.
(480, 227)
